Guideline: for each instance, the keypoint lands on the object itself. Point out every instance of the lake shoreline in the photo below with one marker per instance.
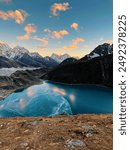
(25, 78)
(91, 131)
(78, 84)
(5, 93)
(36, 100)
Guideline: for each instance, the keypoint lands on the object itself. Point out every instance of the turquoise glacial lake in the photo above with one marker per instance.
(51, 99)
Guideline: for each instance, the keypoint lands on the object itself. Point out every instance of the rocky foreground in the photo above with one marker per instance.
(80, 132)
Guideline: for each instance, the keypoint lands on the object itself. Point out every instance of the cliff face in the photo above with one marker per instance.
(98, 70)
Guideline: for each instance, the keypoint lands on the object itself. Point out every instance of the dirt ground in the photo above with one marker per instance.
(80, 132)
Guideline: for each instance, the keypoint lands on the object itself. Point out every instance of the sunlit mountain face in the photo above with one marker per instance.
(54, 28)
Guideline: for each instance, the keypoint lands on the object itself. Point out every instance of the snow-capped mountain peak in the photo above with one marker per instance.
(18, 50)
(5, 49)
(101, 50)
(60, 58)
(35, 54)
(8, 52)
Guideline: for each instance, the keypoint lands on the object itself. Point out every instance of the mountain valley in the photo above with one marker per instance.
(94, 68)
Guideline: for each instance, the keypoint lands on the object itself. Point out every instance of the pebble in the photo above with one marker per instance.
(17, 138)
(34, 123)
(26, 131)
(23, 145)
(89, 130)
(1, 144)
(1, 126)
(75, 143)
(31, 123)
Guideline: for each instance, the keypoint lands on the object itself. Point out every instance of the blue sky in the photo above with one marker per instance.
(72, 26)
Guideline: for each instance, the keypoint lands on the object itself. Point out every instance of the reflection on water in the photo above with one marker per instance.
(60, 91)
(22, 103)
(64, 93)
(72, 97)
(51, 99)
(1, 106)
(30, 92)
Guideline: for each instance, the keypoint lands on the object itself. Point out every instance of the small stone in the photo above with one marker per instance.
(75, 143)
(1, 126)
(27, 148)
(89, 130)
(1, 144)
(26, 131)
(17, 138)
(34, 123)
(8, 123)
(28, 124)
(23, 145)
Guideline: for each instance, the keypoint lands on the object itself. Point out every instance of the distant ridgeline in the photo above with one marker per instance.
(94, 68)
(21, 57)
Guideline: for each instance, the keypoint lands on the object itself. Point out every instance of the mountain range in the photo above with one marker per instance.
(21, 57)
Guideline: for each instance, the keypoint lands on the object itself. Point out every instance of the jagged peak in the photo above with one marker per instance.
(35, 54)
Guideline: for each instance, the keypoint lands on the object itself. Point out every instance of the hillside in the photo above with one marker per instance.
(98, 70)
